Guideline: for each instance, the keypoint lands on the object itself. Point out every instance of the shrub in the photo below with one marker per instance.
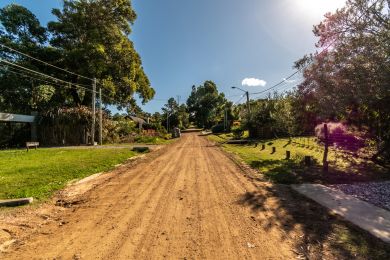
(219, 128)
(238, 132)
(146, 139)
(141, 149)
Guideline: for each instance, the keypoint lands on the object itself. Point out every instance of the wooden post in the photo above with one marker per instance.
(307, 160)
(273, 149)
(100, 117)
(326, 140)
(93, 111)
(263, 147)
(288, 155)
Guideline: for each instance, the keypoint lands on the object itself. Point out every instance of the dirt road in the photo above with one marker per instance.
(185, 203)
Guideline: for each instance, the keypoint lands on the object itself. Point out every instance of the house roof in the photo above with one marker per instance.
(137, 119)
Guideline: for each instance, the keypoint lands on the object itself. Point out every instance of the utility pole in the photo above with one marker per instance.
(93, 110)
(167, 122)
(247, 104)
(225, 120)
(100, 117)
(34, 133)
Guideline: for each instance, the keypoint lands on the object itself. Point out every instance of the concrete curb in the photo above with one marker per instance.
(363, 214)
(16, 202)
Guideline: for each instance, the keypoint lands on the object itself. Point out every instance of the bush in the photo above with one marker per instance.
(238, 132)
(219, 128)
(146, 139)
(141, 149)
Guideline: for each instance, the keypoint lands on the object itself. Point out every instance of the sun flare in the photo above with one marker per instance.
(319, 6)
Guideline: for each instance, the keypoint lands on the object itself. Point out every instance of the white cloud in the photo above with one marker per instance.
(253, 82)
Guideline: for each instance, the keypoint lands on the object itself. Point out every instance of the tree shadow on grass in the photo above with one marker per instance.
(284, 171)
(294, 171)
(287, 144)
(315, 232)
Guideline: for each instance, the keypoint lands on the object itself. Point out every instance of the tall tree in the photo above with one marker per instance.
(170, 111)
(350, 79)
(206, 104)
(93, 37)
(89, 38)
(20, 30)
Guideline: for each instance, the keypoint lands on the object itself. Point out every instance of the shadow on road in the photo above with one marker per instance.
(320, 233)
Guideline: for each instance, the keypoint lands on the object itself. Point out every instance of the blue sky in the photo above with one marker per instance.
(183, 43)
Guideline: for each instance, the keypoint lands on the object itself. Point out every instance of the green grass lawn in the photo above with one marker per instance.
(38, 173)
(276, 168)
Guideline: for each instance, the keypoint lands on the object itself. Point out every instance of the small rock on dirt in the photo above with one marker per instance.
(250, 245)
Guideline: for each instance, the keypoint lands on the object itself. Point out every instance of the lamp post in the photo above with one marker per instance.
(247, 101)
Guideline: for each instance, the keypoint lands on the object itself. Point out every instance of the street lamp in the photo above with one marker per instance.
(247, 100)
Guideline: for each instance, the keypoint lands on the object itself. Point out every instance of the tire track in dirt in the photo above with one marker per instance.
(181, 204)
(128, 215)
(103, 211)
(233, 184)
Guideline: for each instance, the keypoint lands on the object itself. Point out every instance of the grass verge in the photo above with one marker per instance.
(39, 173)
(275, 167)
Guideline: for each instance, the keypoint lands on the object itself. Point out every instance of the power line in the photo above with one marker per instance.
(43, 74)
(34, 75)
(44, 62)
(291, 75)
(325, 49)
(242, 96)
(287, 85)
(277, 84)
(46, 81)
(51, 65)
(52, 83)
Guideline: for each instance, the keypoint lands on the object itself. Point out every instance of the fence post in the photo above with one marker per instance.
(308, 160)
(288, 155)
(325, 159)
(273, 149)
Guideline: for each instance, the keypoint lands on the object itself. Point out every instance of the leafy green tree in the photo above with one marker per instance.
(183, 116)
(350, 80)
(93, 39)
(89, 38)
(170, 111)
(178, 115)
(206, 104)
(20, 30)
(20, 26)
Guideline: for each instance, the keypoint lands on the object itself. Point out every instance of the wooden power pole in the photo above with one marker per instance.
(100, 117)
(93, 111)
